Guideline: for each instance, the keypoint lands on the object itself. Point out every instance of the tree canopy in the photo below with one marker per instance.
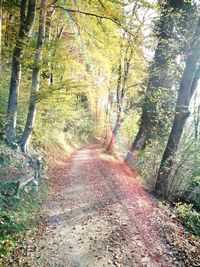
(123, 73)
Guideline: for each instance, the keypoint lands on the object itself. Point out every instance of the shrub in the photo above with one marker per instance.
(194, 193)
(189, 217)
(16, 216)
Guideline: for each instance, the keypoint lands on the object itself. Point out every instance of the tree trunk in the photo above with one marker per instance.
(196, 108)
(121, 86)
(26, 22)
(160, 77)
(186, 90)
(35, 81)
(49, 16)
(109, 148)
(115, 132)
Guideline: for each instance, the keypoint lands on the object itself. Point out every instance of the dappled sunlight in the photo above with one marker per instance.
(99, 133)
(131, 192)
(98, 184)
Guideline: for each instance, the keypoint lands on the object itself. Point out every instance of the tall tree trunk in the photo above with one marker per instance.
(121, 87)
(27, 15)
(159, 77)
(109, 148)
(123, 76)
(196, 105)
(30, 121)
(49, 17)
(186, 90)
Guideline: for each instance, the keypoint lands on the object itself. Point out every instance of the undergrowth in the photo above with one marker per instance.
(17, 215)
(189, 217)
(12, 163)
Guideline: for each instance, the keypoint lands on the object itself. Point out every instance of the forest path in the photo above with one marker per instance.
(99, 216)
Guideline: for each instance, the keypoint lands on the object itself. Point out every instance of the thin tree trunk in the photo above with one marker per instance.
(35, 81)
(26, 22)
(109, 148)
(123, 75)
(196, 109)
(186, 90)
(49, 16)
(121, 86)
(115, 132)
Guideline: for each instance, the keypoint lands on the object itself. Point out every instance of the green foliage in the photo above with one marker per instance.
(16, 216)
(3, 124)
(129, 127)
(3, 103)
(84, 131)
(185, 173)
(148, 162)
(189, 217)
(193, 195)
(83, 63)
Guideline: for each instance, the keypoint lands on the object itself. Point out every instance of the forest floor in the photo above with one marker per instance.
(99, 215)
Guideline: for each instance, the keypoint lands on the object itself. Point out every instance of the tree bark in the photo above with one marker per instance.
(187, 87)
(49, 16)
(160, 77)
(109, 148)
(121, 87)
(27, 15)
(115, 131)
(30, 121)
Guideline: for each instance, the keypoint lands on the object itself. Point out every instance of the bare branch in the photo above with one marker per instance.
(54, 2)
(134, 85)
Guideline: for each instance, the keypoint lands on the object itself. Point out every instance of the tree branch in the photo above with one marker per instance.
(134, 85)
(88, 14)
(54, 2)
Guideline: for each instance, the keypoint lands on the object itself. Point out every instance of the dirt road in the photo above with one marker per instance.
(99, 216)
